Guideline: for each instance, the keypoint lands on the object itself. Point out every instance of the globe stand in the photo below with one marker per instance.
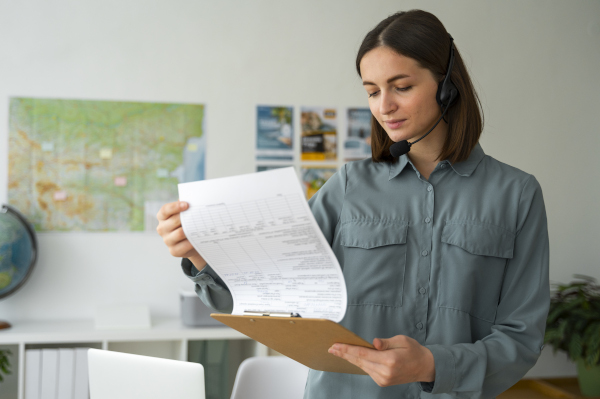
(4, 325)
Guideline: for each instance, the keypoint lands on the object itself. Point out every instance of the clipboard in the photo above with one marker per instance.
(304, 340)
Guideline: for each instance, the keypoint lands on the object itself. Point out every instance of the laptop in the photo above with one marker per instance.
(115, 375)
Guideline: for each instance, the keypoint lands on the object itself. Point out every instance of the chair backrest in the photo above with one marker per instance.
(270, 377)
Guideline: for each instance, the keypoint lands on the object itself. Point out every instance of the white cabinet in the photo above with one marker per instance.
(167, 338)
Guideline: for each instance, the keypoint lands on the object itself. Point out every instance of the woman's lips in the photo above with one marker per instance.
(395, 123)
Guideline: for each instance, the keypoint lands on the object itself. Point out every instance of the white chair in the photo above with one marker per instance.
(270, 377)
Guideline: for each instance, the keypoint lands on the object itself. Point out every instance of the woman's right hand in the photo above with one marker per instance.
(169, 228)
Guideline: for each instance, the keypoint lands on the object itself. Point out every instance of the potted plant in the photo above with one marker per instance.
(4, 363)
(573, 326)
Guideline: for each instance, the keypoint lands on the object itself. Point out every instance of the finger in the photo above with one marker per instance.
(382, 372)
(172, 223)
(175, 237)
(371, 355)
(171, 208)
(370, 368)
(379, 344)
(398, 341)
(181, 249)
(366, 365)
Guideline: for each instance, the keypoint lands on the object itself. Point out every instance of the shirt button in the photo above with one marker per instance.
(420, 326)
(424, 253)
(427, 220)
(429, 188)
(422, 290)
(443, 166)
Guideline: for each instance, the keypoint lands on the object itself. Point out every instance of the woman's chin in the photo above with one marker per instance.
(396, 136)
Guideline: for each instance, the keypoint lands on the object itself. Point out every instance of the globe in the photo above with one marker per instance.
(18, 251)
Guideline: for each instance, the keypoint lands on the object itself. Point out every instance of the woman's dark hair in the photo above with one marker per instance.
(421, 36)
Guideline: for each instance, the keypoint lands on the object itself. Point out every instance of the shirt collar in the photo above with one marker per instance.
(464, 168)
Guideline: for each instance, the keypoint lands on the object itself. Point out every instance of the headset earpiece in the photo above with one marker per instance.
(447, 92)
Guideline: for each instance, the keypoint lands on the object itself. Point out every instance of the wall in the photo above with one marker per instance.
(534, 64)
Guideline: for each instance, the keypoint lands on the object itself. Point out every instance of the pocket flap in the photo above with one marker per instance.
(480, 239)
(370, 234)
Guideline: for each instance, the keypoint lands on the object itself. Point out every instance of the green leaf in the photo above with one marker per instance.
(593, 344)
(592, 329)
(553, 315)
(594, 332)
(563, 328)
(580, 313)
(552, 337)
(575, 347)
(4, 363)
(592, 359)
(579, 325)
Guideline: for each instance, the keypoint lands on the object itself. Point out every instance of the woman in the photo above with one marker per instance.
(444, 249)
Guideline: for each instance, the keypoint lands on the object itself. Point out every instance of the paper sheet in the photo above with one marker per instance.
(258, 233)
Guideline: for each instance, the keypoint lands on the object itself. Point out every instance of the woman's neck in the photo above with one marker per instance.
(424, 154)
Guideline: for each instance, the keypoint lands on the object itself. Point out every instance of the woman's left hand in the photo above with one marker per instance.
(397, 360)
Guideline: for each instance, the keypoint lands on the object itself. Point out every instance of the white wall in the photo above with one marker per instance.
(534, 63)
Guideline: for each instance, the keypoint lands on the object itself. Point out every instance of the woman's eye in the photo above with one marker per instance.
(404, 88)
(373, 94)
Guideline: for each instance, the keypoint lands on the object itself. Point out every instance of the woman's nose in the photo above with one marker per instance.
(387, 105)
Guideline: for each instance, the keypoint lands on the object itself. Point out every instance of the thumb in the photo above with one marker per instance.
(381, 344)
(399, 341)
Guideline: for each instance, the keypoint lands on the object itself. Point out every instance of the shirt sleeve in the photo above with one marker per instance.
(211, 289)
(326, 205)
(496, 362)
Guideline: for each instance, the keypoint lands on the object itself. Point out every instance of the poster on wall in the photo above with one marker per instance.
(357, 143)
(274, 133)
(100, 165)
(319, 134)
(313, 178)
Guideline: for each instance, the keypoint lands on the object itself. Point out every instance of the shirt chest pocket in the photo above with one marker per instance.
(473, 259)
(374, 262)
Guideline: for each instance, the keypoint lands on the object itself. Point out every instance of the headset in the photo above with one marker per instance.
(447, 93)
(446, 96)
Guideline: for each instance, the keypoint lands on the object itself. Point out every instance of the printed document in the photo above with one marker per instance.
(258, 233)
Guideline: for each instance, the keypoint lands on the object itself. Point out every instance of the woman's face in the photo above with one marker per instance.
(401, 94)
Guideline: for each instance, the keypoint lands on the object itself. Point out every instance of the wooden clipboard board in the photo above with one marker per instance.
(304, 340)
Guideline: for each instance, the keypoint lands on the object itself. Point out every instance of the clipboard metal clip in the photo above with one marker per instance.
(274, 314)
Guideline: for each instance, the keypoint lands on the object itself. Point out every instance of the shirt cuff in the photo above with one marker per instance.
(204, 277)
(188, 268)
(209, 287)
(445, 371)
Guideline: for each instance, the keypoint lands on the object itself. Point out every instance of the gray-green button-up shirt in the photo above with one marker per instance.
(458, 262)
